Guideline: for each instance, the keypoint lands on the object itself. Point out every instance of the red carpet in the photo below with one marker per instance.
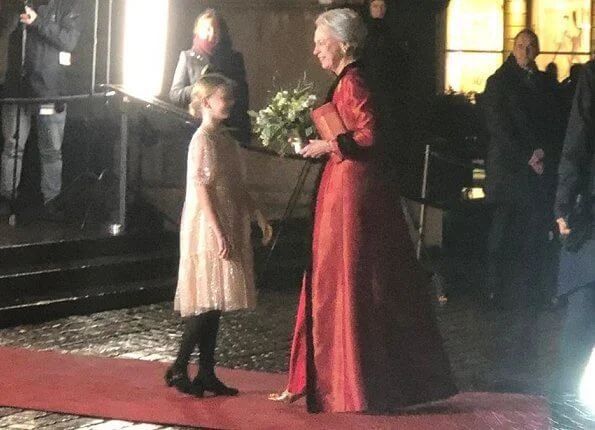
(133, 390)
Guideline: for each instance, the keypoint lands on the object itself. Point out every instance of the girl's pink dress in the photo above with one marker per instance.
(205, 281)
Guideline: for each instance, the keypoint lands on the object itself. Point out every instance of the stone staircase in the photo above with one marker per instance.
(41, 281)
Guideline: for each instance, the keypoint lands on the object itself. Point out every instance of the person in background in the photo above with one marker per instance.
(379, 50)
(525, 123)
(377, 9)
(551, 69)
(577, 264)
(365, 337)
(9, 19)
(568, 86)
(386, 65)
(216, 265)
(53, 30)
(212, 52)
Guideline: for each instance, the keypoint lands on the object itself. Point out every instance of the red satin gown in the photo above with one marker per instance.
(366, 338)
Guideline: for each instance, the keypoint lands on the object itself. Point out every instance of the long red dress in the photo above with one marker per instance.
(366, 337)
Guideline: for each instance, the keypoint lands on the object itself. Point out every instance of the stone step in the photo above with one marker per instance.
(89, 300)
(40, 282)
(58, 251)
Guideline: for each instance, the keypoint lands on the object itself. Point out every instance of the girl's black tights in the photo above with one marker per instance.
(199, 331)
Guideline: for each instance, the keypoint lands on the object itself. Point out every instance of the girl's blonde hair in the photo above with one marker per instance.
(205, 87)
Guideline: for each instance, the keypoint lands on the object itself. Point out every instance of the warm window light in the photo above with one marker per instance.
(145, 38)
(587, 389)
(518, 7)
(475, 25)
(474, 42)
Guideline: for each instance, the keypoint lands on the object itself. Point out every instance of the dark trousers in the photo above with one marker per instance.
(578, 339)
(520, 277)
(199, 331)
(521, 254)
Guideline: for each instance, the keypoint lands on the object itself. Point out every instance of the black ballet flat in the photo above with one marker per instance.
(179, 380)
(209, 382)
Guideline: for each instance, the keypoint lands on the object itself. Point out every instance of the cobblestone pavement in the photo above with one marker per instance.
(259, 340)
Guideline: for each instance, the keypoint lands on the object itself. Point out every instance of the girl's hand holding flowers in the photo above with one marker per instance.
(316, 148)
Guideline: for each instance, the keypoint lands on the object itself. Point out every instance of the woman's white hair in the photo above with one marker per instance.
(347, 26)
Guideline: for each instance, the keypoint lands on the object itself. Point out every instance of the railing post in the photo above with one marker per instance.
(422, 210)
(123, 159)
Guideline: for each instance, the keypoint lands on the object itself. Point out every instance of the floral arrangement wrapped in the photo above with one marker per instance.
(286, 120)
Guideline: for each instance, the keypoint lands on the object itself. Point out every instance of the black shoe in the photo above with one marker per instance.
(180, 380)
(207, 381)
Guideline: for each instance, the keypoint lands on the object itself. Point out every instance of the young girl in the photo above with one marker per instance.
(216, 265)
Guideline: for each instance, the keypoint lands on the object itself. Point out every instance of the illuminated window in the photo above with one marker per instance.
(475, 35)
(145, 37)
(474, 43)
(564, 30)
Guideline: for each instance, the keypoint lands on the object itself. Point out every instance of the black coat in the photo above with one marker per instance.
(9, 20)
(576, 172)
(56, 29)
(523, 112)
(577, 175)
(229, 63)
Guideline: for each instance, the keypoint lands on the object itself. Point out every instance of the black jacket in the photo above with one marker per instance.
(56, 29)
(9, 19)
(227, 62)
(523, 112)
(576, 173)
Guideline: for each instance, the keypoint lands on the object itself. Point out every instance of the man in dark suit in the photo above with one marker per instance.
(577, 264)
(9, 17)
(9, 20)
(53, 28)
(525, 124)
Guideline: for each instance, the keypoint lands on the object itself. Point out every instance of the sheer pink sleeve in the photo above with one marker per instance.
(201, 160)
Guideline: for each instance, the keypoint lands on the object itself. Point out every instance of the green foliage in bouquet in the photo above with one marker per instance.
(286, 116)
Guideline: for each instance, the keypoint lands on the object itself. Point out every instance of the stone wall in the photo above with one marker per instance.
(276, 39)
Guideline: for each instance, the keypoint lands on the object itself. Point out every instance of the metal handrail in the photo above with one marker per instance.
(42, 100)
(154, 103)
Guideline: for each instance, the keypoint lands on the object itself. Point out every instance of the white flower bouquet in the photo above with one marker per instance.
(286, 121)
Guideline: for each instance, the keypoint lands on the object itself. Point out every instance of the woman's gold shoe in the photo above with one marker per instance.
(285, 397)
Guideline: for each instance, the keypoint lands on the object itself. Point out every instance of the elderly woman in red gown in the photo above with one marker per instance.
(366, 338)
